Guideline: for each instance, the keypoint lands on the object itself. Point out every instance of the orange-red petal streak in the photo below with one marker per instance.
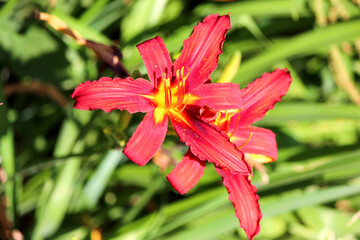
(201, 50)
(187, 173)
(146, 139)
(245, 200)
(108, 94)
(207, 143)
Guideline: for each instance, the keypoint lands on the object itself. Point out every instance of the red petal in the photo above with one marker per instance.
(156, 59)
(245, 200)
(207, 143)
(201, 50)
(262, 141)
(146, 139)
(187, 173)
(218, 96)
(262, 94)
(108, 94)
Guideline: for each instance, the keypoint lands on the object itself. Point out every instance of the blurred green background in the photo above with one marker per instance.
(62, 173)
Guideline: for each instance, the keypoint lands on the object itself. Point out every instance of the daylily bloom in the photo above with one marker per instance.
(258, 144)
(176, 91)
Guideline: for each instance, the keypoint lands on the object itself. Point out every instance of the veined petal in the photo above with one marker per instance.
(108, 94)
(156, 59)
(262, 94)
(201, 50)
(256, 140)
(187, 173)
(147, 138)
(218, 96)
(245, 200)
(207, 143)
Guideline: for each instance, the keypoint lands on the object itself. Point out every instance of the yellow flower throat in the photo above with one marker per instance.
(170, 97)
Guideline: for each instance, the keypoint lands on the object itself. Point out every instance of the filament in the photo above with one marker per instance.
(227, 120)
(186, 102)
(181, 86)
(242, 145)
(236, 126)
(166, 92)
(170, 96)
(155, 85)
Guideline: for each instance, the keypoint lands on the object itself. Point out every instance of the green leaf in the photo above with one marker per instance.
(95, 186)
(285, 112)
(7, 157)
(225, 220)
(274, 8)
(143, 14)
(58, 199)
(322, 219)
(302, 44)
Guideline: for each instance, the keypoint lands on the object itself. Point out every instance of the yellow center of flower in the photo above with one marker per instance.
(172, 97)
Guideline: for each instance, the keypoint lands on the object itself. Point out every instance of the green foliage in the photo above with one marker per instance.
(65, 175)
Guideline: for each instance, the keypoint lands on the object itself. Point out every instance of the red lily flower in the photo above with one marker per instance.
(174, 92)
(257, 143)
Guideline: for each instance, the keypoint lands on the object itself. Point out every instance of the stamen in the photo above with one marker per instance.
(179, 99)
(166, 95)
(186, 102)
(183, 79)
(167, 91)
(180, 94)
(155, 84)
(169, 88)
(227, 120)
(183, 85)
(180, 87)
(178, 74)
(246, 141)
(236, 126)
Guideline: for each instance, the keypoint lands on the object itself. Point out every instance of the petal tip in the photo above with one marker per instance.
(187, 173)
(243, 196)
(173, 183)
(130, 156)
